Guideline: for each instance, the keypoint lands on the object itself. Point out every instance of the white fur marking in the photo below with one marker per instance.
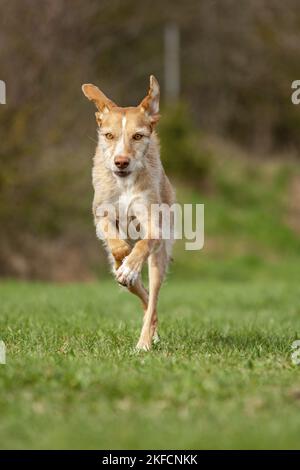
(123, 123)
(125, 200)
(120, 147)
(125, 275)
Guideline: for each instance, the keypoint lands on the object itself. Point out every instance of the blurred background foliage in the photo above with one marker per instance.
(231, 142)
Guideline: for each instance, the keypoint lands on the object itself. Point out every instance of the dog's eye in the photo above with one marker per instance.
(137, 136)
(109, 136)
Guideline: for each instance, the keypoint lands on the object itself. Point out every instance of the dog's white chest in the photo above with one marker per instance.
(126, 200)
(130, 199)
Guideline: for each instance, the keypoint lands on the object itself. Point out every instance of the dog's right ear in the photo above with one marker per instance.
(101, 101)
(150, 104)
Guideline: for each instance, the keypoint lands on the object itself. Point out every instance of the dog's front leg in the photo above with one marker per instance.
(157, 266)
(129, 271)
(128, 274)
(119, 250)
(118, 247)
(131, 267)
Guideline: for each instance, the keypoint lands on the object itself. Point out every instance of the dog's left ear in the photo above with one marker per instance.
(101, 101)
(150, 104)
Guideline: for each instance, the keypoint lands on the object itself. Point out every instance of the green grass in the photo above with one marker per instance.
(221, 377)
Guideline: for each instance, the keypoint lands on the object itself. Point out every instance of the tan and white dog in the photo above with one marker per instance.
(127, 173)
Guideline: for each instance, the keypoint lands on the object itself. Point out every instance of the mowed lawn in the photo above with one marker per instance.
(222, 376)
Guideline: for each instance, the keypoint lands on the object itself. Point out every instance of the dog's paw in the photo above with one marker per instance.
(126, 275)
(143, 345)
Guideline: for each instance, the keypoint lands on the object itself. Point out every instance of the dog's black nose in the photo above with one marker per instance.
(121, 162)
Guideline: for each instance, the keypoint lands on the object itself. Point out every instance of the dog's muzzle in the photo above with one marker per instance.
(122, 173)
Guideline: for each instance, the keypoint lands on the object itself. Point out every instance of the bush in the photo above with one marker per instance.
(182, 152)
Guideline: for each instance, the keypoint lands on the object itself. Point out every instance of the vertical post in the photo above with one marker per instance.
(172, 62)
(2, 92)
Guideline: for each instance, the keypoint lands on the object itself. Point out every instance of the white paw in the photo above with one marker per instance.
(143, 346)
(125, 275)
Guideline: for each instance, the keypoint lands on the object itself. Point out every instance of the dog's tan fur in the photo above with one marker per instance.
(128, 135)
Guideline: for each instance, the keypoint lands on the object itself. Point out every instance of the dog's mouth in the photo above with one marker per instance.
(122, 173)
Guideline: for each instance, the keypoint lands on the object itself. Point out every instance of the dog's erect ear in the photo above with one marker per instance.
(101, 101)
(150, 104)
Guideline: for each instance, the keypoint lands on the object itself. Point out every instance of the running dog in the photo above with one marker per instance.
(128, 173)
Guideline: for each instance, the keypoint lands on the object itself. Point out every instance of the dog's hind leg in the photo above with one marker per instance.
(157, 263)
(140, 291)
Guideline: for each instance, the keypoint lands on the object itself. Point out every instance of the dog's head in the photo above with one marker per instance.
(124, 133)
